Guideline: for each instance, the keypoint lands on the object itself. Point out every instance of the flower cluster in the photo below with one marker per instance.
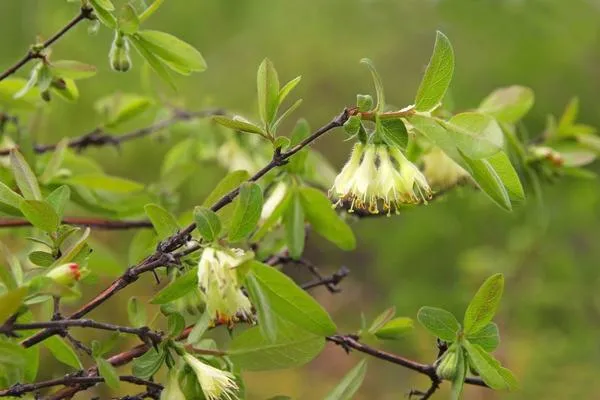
(378, 178)
(218, 283)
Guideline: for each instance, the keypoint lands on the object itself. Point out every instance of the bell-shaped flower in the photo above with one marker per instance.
(441, 171)
(215, 383)
(65, 274)
(218, 283)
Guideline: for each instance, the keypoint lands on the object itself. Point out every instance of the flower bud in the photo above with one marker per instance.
(119, 54)
(66, 274)
(448, 365)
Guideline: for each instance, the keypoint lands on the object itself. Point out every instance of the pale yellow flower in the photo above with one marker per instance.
(215, 383)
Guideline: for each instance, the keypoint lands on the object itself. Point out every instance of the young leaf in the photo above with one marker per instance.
(483, 306)
(11, 301)
(324, 220)
(290, 302)
(200, 328)
(227, 184)
(108, 372)
(437, 75)
(10, 198)
(267, 83)
(103, 12)
(293, 219)
(508, 104)
(72, 69)
(41, 258)
(182, 285)
(136, 313)
(395, 329)
(247, 211)
(239, 125)
(163, 221)
(350, 384)
(149, 363)
(439, 322)
(488, 337)
(151, 9)
(285, 114)
(393, 132)
(380, 106)
(177, 54)
(155, 63)
(382, 319)
(461, 373)
(476, 135)
(55, 161)
(260, 300)
(507, 174)
(175, 324)
(62, 351)
(207, 223)
(488, 180)
(488, 367)
(41, 215)
(26, 180)
(104, 182)
(128, 21)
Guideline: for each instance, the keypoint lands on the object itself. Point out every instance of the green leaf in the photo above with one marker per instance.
(251, 351)
(163, 221)
(149, 363)
(395, 329)
(488, 337)
(68, 91)
(507, 174)
(12, 354)
(122, 107)
(155, 63)
(151, 9)
(72, 69)
(290, 302)
(62, 352)
(177, 54)
(207, 223)
(182, 285)
(10, 87)
(108, 372)
(567, 119)
(439, 322)
(41, 214)
(199, 328)
(128, 22)
(136, 313)
(175, 324)
(364, 102)
(324, 220)
(508, 104)
(59, 198)
(11, 301)
(9, 197)
(437, 76)
(483, 306)
(393, 132)
(106, 183)
(437, 134)
(380, 106)
(350, 384)
(293, 220)
(24, 176)
(260, 301)
(72, 246)
(461, 373)
(106, 4)
(476, 135)
(488, 367)
(267, 83)
(247, 211)
(488, 180)
(225, 186)
(382, 319)
(238, 124)
(287, 88)
(55, 161)
(274, 217)
(103, 13)
(34, 77)
(285, 114)
(41, 258)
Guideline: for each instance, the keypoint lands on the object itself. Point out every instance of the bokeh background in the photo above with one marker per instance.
(435, 255)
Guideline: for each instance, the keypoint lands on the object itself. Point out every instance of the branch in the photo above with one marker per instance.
(330, 282)
(351, 342)
(82, 221)
(20, 389)
(163, 254)
(98, 137)
(84, 13)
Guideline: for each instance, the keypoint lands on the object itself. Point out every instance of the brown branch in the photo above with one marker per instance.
(330, 282)
(35, 51)
(163, 255)
(82, 221)
(99, 137)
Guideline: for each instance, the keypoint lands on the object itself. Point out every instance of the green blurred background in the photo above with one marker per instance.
(435, 255)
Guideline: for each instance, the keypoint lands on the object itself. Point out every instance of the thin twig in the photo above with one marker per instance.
(330, 282)
(97, 223)
(84, 13)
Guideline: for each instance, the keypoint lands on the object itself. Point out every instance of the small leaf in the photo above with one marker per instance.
(437, 76)
(350, 384)
(62, 351)
(461, 373)
(395, 329)
(207, 223)
(476, 135)
(58, 199)
(108, 372)
(151, 9)
(177, 54)
(507, 174)
(72, 69)
(439, 322)
(483, 306)
(41, 215)
(68, 91)
(488, 180)
(268, 91)
(156, 63)
(163, 221)
(287, 88)
(182, 285)
(488, 367)
(9, 197)
(128, 21)
(508, 104)
(122, 107)
(380, 106)
(285, 114)
(175, 324)
(106, 4)
(324, 220)
(226, 185)
(247, 211)
(260, 301)
(104, 182)
(103, 13)
(238, 125)
(293, 219)
(382, 319)
(55, 161)
(567, 119)
(41, 258)
(26, 180)
(488, 337)
(149, 363)
(200, 328)
(136, 313)
(11, 301)
(393, 132)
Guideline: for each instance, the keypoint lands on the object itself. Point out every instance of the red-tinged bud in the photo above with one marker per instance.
(66, 274)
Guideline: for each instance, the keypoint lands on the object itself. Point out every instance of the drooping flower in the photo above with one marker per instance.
(441, 171)
(65, 274)
(216, 384)
(378, 178)
(218, 283)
